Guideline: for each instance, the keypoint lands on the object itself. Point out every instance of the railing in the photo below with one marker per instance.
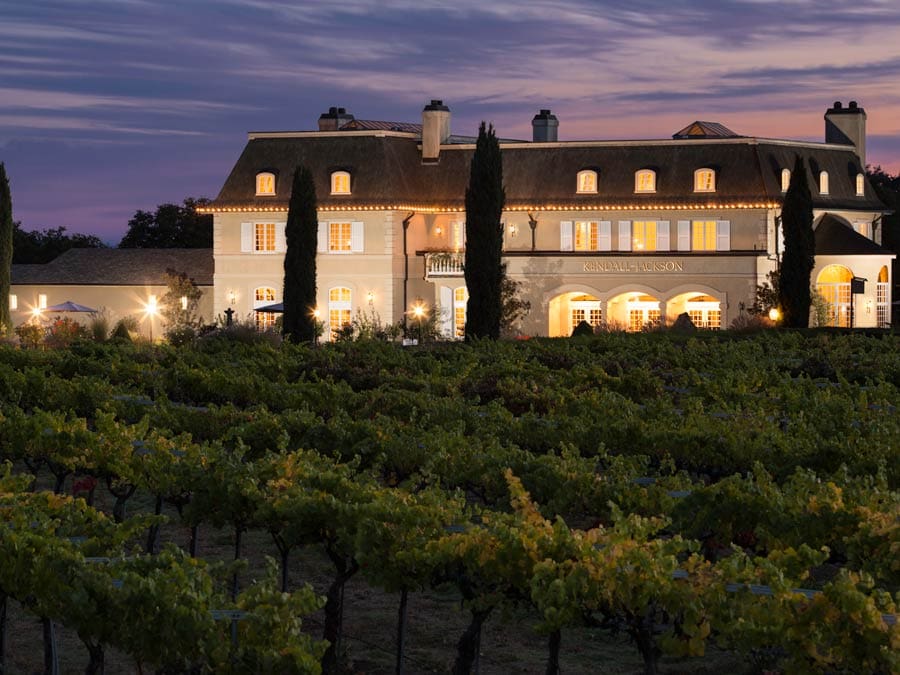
(444, 264)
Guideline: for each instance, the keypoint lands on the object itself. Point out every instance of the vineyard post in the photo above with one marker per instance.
(401, 630)
(51, 657)
(553, 659)
(238, 530)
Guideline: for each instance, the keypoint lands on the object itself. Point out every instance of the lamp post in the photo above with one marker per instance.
(419, 314)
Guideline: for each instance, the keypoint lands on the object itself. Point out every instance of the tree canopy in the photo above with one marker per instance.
(42, 246)
(485, 198)
(799, 250)
(301, 236)
(170, 226)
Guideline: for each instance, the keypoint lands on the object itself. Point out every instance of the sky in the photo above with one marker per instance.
(110, 106)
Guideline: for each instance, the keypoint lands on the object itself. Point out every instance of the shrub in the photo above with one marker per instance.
(30, 335)
(583, 328)
(99, 326)
(125, 328)
(64, 331)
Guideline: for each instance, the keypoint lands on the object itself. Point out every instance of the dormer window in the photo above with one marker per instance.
(823, 182)
(645, 181)
(704, 180)
(265, 183)
(860, 185)
(587, 182)
(340, 183)
(785, 179)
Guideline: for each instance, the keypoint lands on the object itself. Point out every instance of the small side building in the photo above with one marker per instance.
(119, 282)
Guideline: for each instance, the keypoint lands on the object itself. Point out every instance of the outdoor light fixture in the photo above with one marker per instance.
(151, 309)
(316, 313)
(370, 296)
(774, 314)
(418, 311)
(438, 230)
(232, 297)
(513, 230)
(184, 302)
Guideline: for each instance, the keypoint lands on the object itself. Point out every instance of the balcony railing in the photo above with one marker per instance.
(444, 264)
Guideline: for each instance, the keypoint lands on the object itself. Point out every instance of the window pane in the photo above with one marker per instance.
(264, 239)
(340, 237)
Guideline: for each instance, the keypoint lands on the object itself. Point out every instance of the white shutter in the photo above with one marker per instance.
(723, 235)
(684, 235)
(446, 311)
(280, 238)
(322, 239)
(246, 237)
(624, 235)
(565, 235)
(356, 236)
(604, 241)
(662, 235)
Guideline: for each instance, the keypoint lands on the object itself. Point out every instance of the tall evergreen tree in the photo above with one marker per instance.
(301, 234)
(6, 250)
(485, 198)
(799, 250)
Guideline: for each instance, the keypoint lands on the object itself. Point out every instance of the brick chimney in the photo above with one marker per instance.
(334, 119)
(435, 130)
(544, 127)
(847, 126)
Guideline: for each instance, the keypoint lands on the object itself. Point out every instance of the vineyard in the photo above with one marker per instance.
(230, 506)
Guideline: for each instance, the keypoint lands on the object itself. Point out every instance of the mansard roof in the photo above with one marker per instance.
(386, 169)
(118, 267)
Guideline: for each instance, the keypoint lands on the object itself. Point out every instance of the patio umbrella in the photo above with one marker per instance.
(277, 307)
(69, 306)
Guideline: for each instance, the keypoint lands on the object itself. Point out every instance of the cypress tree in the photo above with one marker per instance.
(301, 235)
(485, 198)
(6, 250)
(799, 250)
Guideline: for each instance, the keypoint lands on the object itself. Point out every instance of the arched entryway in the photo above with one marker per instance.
(833, 284)
(883, 298)
(634, 311)
(569, 309)
(705, 310)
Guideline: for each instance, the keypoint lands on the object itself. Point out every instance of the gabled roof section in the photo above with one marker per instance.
(118, 267)
(834, 236)
(700, 129)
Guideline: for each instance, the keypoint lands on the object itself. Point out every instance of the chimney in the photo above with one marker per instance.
(544, 127)
(435, 130)
(847, 126)
(334, 119)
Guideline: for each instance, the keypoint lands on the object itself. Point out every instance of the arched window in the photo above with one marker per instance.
(265, 183)
(460, 300)
(823, 182)
(262, 296)
(340, 183)
(882, 299)
(704, 311)
(785, 179)
(704, 180)
(645, 181)
(587, 182)
(833, 284)
(339, 299)
(860, 185)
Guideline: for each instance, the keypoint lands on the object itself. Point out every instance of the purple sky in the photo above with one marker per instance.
(109, 106)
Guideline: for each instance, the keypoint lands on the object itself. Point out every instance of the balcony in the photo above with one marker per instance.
(444, 264)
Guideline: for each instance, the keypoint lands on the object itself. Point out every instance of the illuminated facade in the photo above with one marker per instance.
(617, 233)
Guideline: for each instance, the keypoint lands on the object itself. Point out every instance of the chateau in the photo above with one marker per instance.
(627, 233)
(618, 233)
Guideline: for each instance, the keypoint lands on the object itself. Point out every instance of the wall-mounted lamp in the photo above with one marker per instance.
(869, 306)
(513, 230)
(232, 297)
(438, 231)
(370, 297)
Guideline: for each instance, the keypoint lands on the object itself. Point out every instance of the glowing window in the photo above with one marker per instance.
(265, 183)
(264, 237)
(645, 181)
(13, 302)
(704, 312)
(585, 236)
(340, 183)
(585, 308)
(704, 180)
(262, 296)
(457, 235)
(860, 185)
(643, 235)
(785, 179)
(703, 235)
(339, 299)
(823, 183)
(340, 237)
(460, 299)
(862, 227)
(833, 284)
(587, 182)
(42, 301)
